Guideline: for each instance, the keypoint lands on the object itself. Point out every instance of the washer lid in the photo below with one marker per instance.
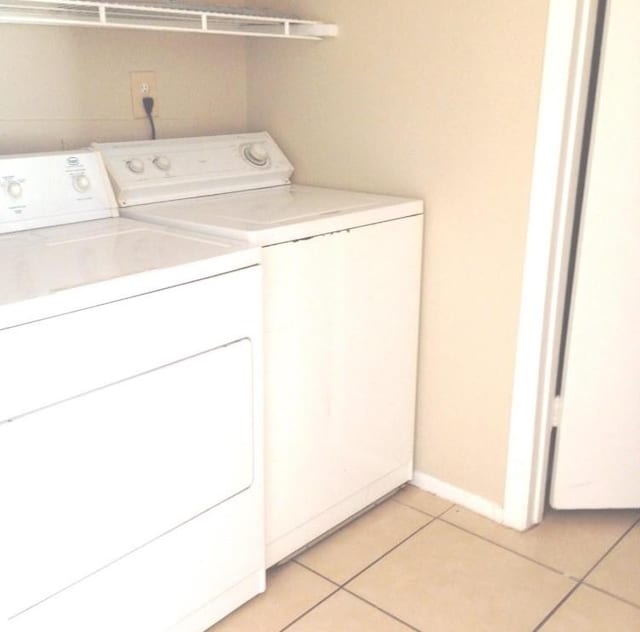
(98, 261)
(269, 216)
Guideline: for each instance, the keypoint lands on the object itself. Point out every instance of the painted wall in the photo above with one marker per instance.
(434, 99)
(64, 87)
(429, 98)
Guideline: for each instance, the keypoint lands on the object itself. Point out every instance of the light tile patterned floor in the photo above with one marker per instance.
(416, 562)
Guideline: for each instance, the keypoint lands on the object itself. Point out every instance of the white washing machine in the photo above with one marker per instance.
(342, 285)
(130, 411)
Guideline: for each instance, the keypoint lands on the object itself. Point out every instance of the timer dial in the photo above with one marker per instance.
(81, 183)
(14, 189)
(256, 154)
(162, 162)
(135, 165)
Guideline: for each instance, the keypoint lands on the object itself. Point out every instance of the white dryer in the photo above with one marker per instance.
(341, 300)
(130, 411)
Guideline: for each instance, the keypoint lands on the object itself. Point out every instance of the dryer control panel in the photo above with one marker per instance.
(178, 168)
(48, 189)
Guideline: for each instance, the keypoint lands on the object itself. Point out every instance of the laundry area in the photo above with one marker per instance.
(311, 314)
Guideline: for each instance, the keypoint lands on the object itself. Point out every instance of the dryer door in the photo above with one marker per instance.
(98, 476)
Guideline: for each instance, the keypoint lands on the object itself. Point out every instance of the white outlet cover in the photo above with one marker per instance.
(137, 80)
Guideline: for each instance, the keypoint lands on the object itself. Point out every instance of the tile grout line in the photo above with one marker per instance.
(373, 605)
(581, 581)
(432, 521)
(368, 566)
(440, 517)
(426, 513)
(308, 610)
(613, 546)
(343, 585)
(556, 607)
(538, 562)
(506, 548)
(610, 594)
(315, 572)
(393, 548)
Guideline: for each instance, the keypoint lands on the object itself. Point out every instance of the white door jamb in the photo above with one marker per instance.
(566, 71)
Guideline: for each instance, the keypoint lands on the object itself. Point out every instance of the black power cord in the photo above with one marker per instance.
(147, 103)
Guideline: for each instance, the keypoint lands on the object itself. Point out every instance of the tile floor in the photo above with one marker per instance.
(416, 562)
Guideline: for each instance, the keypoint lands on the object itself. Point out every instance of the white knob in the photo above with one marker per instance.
(162, 163)
(81, 183)
(136, 165)
(14, 189)
(256, 154)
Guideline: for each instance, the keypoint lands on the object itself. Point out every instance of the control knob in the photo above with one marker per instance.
(256, 154)
(162, 163)
(14, 189)
(81, 183)
(135, 165)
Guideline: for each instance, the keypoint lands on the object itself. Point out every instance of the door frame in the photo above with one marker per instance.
(565, 80)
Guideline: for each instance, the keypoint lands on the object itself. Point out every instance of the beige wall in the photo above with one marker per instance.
(435, 99)
(430, 98)
(64, 87)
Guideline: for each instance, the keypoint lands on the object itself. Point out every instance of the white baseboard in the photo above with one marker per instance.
(460, 496)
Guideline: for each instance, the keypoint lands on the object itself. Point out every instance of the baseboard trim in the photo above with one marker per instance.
(460, 496)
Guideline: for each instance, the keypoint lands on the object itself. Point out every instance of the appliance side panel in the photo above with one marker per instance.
(341, 331)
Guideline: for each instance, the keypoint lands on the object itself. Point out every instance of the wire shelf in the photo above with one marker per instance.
(167, 16)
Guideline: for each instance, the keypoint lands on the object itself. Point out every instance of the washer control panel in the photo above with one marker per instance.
(48, 189)
(163, 170)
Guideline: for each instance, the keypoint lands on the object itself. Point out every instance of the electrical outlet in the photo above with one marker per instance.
(143, 84)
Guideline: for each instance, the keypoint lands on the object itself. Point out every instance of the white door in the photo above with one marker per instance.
(597, 459)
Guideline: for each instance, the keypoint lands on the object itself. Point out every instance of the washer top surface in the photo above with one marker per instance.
(52, 270)
(274, 215)
(237, 186)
